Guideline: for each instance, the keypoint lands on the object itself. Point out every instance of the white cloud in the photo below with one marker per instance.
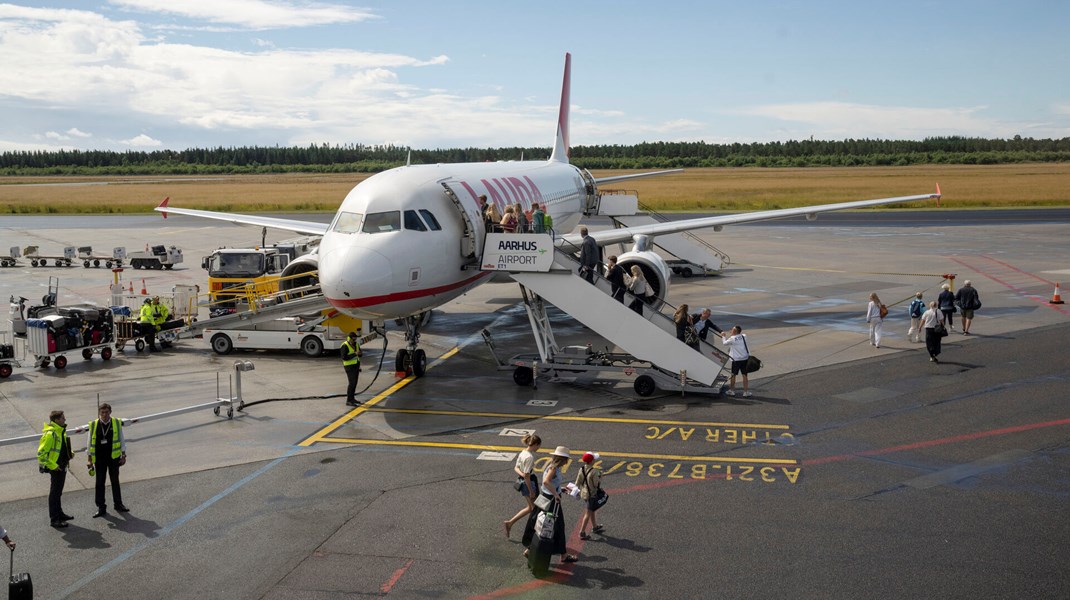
(142, 141)
(75, 132)
(1061, 108)
(254, 14)
(838, 120)
(12, 146)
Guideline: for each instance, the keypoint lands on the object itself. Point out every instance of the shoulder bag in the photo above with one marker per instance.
(543, 502)
(939, 329)
(753, 364)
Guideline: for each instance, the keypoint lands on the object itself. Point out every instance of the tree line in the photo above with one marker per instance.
(328, 158)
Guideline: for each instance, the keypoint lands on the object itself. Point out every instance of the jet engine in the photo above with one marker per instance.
(292, 274)
(653, 267)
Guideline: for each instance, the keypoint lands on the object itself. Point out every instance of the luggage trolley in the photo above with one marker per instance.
(8, 362)
(84, 328)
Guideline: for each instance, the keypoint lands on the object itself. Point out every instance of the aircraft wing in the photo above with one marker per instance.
(306, 227)
(625, 234)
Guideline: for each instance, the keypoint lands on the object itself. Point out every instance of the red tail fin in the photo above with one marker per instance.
(164, 205)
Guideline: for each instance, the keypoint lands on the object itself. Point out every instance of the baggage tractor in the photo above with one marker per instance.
(19, 586)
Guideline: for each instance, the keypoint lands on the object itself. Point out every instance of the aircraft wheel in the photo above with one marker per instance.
(5, 371)
(644, 385)
(312, 346)
(401, 361)
(61, 362)
(87, 353)
(523, 376)
(105, 354)
(222, 344)
(419, 363)
(139, 345)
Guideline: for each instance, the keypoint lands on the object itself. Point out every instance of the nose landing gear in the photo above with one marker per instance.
(412, 360)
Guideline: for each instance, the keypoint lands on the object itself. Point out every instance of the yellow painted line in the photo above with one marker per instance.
(356, 412)
(455, 446)
(461, 413)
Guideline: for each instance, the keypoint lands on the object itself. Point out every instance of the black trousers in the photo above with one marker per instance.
(352, 373)
(932, 342)
(107, 467)
(55, 493)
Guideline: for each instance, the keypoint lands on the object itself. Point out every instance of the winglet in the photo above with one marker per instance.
(561, 145)
(937, 195)
(164, 205)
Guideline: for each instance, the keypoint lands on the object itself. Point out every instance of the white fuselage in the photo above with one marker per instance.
(398, 247)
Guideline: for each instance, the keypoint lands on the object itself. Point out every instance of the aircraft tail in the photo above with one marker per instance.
(561, 145)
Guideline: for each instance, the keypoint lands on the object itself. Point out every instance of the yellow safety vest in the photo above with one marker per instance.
(116, 447)
(146, 314)
(161, 312)
(51, 445)
(351, 350)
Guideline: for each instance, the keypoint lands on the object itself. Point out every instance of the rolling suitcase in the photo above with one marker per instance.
(542, 545)
(19, 586)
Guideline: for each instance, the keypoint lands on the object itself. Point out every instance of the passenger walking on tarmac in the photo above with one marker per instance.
(588, 256)
(551, 491)
(160, 315)
(875, 320)
(637, 286)
(968, 301)
(54, 454)
(147, 318)
(589, 480)
(929, 320)
(736, 341)
(917, 307)
(703, 324)
(615, 275)
(684, 323)
(351, 354)
(106, 447)
(525, 477)
(946, 302)
(538, 218)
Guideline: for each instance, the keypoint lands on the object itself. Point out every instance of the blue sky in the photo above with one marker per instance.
(153, 74)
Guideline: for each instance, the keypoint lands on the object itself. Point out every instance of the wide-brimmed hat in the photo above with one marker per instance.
(561, 451)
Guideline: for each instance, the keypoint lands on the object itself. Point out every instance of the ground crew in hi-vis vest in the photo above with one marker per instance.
(54, 453)
(351, 354)
(147, 318)
(159, 316)
(106, 447)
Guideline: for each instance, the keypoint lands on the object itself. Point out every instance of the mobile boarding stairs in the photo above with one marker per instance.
(653, 358)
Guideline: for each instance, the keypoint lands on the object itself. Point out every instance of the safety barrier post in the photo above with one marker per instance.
(683, 382)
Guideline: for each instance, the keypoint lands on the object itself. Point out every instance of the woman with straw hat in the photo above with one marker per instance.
(539, 554)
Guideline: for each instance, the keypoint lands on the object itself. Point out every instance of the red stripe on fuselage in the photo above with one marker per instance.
(402, 296)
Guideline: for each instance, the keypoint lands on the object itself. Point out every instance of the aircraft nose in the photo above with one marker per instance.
(353, 277)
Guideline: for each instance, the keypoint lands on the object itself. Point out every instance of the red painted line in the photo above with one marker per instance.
(1013, 268)
(1039, 301)
(399, 296)
(385, 588)
(938, 442)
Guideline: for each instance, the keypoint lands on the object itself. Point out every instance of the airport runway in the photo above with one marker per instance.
(853, 472)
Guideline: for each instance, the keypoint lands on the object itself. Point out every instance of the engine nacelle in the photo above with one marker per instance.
(291, 275)
(654, 270)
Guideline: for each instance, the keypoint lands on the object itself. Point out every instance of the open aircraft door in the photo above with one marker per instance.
(472, 239)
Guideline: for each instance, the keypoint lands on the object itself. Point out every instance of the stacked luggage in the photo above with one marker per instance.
(52, 330)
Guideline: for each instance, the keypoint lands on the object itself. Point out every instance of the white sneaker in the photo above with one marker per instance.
(747, 394)
(729, 393)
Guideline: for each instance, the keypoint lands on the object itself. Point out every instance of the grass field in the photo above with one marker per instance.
(1046, 184)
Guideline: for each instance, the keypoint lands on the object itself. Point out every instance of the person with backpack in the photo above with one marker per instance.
(917, 307)
(589, 481)
(968, 301)
(875, 314)
(538, 218)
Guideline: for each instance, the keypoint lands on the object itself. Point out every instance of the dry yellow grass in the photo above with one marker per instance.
(1045, 184)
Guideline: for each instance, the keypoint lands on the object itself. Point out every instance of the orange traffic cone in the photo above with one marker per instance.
(1056, 299)
(131, 287)
(144, 290)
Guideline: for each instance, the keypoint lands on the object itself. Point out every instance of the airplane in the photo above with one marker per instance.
(407, 240)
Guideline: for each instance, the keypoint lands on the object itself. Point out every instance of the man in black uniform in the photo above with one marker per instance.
(106, 448)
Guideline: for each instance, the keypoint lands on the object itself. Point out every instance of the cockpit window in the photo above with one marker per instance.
(384, 221)
(347, 222)
(413, 222)
(432, 222)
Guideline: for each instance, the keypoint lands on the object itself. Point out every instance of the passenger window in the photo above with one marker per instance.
(384, 221)
(347, 222)
(432, 222)
(413, 222)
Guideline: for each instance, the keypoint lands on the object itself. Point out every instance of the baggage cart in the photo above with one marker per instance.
(12, 260)
(70, 254)
(85, 329)
(89, 259)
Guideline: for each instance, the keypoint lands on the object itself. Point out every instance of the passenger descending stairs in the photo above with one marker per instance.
(650, 337)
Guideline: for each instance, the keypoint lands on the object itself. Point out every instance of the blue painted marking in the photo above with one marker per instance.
(118, 560)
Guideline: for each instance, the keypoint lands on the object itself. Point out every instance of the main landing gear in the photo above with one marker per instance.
(412, 360)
